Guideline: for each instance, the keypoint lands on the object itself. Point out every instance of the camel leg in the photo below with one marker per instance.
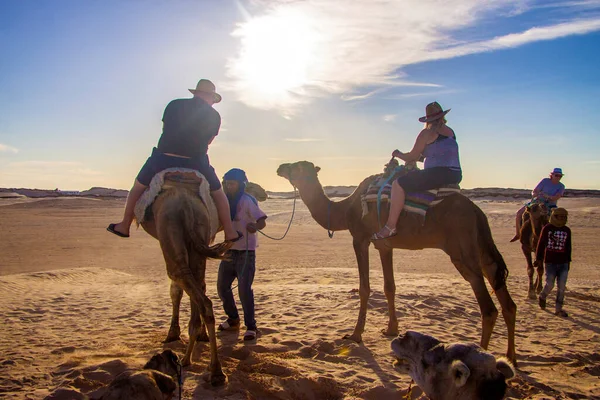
(509, 312)
(530, 270)
(540, 275)
(489, 312)
(207, 323)
(389, 287)
(174, 331)
(361, 249)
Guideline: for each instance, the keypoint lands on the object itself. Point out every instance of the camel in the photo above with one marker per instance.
(456, 226)
(176, 292)
(157, 380)
(181, 223)
(457, 371)
(534, 219)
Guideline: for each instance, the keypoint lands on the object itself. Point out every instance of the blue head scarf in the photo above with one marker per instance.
(235, 174)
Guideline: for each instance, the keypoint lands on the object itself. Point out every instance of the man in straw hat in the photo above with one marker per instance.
(436, 143)
(189, 127)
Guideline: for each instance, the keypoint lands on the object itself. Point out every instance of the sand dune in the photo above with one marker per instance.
(80, 306)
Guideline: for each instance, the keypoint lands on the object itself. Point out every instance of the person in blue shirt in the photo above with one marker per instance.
(549, 190)
(437, 145)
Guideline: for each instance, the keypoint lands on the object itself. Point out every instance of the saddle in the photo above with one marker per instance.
(416, 202)
(189, 179)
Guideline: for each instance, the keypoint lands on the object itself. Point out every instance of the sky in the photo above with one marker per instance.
(342, 84)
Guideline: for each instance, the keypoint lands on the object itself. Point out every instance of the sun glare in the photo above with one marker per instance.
(276, 55)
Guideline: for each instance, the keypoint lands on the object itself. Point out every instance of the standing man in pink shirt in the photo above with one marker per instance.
(246, 217)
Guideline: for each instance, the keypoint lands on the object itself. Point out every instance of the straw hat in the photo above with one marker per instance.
(206, 86)
(433, 111)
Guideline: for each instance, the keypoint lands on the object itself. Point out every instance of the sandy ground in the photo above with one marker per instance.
(79, 305)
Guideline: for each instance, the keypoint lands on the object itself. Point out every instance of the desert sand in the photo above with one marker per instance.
(80, 305)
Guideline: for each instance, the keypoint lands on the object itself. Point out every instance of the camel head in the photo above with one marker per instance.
(538, 212)
(298, 171)
(452, 371)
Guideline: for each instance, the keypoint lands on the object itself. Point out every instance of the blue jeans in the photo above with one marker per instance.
(558, 272)
(241, 266)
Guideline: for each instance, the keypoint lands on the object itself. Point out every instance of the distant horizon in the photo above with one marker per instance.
(301, 80)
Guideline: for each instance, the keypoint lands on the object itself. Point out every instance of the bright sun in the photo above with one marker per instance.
(276, 54)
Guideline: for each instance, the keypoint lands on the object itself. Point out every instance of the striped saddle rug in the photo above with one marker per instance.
(417, 202)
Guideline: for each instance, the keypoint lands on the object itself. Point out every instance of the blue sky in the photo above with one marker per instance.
(84, 85)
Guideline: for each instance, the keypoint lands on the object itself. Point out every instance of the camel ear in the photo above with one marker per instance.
(505, 368)
(317, 169)
(459, 373)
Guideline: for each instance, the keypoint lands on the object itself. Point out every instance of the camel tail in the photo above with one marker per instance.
(487, 245)
(195, 221)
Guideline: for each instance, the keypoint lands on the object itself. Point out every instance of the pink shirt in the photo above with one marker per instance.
(247, 212)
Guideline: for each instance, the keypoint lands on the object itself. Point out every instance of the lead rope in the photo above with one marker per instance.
(179, 377)
(408, 394)
(270, 237)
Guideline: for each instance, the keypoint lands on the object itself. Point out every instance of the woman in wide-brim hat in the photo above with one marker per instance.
(437, 145)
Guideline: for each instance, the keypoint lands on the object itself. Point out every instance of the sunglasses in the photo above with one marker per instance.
(560, 216)
(557, 175)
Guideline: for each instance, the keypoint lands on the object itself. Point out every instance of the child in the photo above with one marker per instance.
(241, 258)
(554, 248)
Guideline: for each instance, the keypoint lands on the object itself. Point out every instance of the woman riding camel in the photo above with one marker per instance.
(437, 144)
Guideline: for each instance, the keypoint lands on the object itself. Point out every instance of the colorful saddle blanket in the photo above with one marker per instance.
(158, 183)
(417, 202)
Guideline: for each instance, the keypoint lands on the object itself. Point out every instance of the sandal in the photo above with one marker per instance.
(111, 229)
(229, 325)
(249, 335)
(384, 233)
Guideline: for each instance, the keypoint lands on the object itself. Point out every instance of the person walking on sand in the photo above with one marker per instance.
(554, 248)
(240, 259)
(189, 127)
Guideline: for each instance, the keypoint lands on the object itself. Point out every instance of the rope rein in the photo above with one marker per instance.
(179, 377)
(408, 394)
(270, 237)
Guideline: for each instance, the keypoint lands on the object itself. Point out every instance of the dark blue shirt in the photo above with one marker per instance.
(189, 125)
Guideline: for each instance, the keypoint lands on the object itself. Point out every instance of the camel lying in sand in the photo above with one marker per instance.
(157, 380)
(457, 371)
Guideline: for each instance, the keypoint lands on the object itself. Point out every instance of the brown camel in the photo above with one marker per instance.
(176, 292)
(534, 219)
(181, 222)
(456, 226)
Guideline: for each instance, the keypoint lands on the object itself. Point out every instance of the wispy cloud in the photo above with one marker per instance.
(8, 149)
(365, 44)
(303, 140)
(389, 117)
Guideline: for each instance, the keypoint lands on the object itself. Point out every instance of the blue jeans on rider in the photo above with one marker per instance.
(430, 178)
(240, 265)
(558, 272)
